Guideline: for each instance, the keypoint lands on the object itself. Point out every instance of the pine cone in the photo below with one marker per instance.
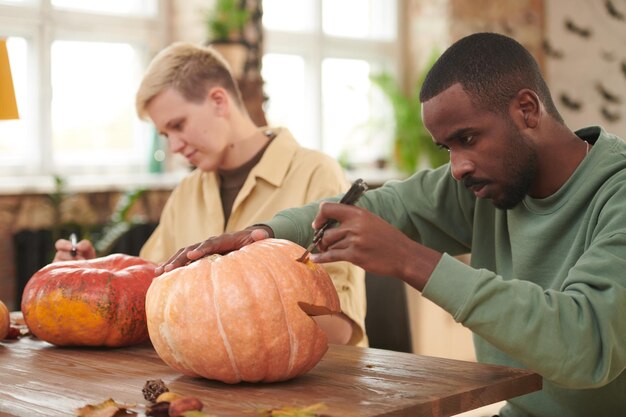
(153, 388)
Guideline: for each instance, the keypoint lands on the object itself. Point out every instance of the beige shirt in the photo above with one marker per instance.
(287, 175)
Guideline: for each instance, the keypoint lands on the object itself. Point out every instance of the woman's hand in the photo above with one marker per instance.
(84, 250)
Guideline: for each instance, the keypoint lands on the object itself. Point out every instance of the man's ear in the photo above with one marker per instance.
(527, 109)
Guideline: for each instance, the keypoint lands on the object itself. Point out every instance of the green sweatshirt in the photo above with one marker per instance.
(547, 286)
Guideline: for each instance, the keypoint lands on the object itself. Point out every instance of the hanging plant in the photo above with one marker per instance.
(225, 22)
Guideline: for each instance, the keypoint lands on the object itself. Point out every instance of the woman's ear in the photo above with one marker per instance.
(527, 109)
(219, 99)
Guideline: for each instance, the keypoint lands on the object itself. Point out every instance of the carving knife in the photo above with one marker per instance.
(350, 197)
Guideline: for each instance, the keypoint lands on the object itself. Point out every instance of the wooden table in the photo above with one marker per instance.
(38, 379)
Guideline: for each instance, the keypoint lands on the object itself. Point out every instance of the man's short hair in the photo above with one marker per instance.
(492, 69)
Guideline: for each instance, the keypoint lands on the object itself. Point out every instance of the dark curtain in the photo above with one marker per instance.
(33, 250)
(387, 319)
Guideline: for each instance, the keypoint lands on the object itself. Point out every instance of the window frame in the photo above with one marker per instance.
(315, 46)
(41, 24)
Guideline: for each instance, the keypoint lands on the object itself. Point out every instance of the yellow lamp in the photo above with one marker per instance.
(8, 105)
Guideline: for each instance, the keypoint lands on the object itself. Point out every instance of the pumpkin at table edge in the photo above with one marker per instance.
(96, 302)
(239, 317)
(5, 321)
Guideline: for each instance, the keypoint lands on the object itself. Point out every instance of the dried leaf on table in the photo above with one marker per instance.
(309, 411)
(107, 408)
(18, 327)
(14, 333)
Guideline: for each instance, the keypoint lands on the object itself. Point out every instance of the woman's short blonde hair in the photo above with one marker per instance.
(189, 69)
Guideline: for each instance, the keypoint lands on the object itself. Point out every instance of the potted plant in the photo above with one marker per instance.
(413, 144)
(225, 25)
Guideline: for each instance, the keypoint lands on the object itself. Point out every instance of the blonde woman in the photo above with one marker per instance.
(243, 174)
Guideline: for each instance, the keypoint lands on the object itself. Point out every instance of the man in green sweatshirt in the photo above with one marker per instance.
(541, 209)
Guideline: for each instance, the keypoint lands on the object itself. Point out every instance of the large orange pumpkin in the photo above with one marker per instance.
(243, 316)
(5, 321)
(97, 302)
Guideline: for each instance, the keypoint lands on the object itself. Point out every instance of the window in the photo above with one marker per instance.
(76, 65)
(319, 55)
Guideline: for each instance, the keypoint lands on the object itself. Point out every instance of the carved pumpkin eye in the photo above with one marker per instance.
(243, 316)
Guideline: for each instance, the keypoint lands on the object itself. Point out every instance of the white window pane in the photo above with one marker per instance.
(118, 7)
(289, 15)
(15, 145)
(348, 112)
(93, 115)
(375, 19)
(288, 104)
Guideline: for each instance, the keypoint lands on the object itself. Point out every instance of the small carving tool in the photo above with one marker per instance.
(74, 250)
(350, 197)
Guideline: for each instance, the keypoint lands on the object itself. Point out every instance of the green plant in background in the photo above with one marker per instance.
(412, 143)
(226, 20)
(102, 237)
(56, 198)
(60, 229)
(119, 222)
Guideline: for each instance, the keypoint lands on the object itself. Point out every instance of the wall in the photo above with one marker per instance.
(187, 19)
(586, 62)
(578, 43)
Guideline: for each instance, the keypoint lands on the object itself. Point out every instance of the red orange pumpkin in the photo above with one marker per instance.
(97, 302)
(5, 321)
(243, 316)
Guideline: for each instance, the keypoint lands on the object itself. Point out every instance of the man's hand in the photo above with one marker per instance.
(84, 250)
(221, 244)
(368, 241)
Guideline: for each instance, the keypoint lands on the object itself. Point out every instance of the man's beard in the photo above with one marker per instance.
(521, 164)
(520, 167)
